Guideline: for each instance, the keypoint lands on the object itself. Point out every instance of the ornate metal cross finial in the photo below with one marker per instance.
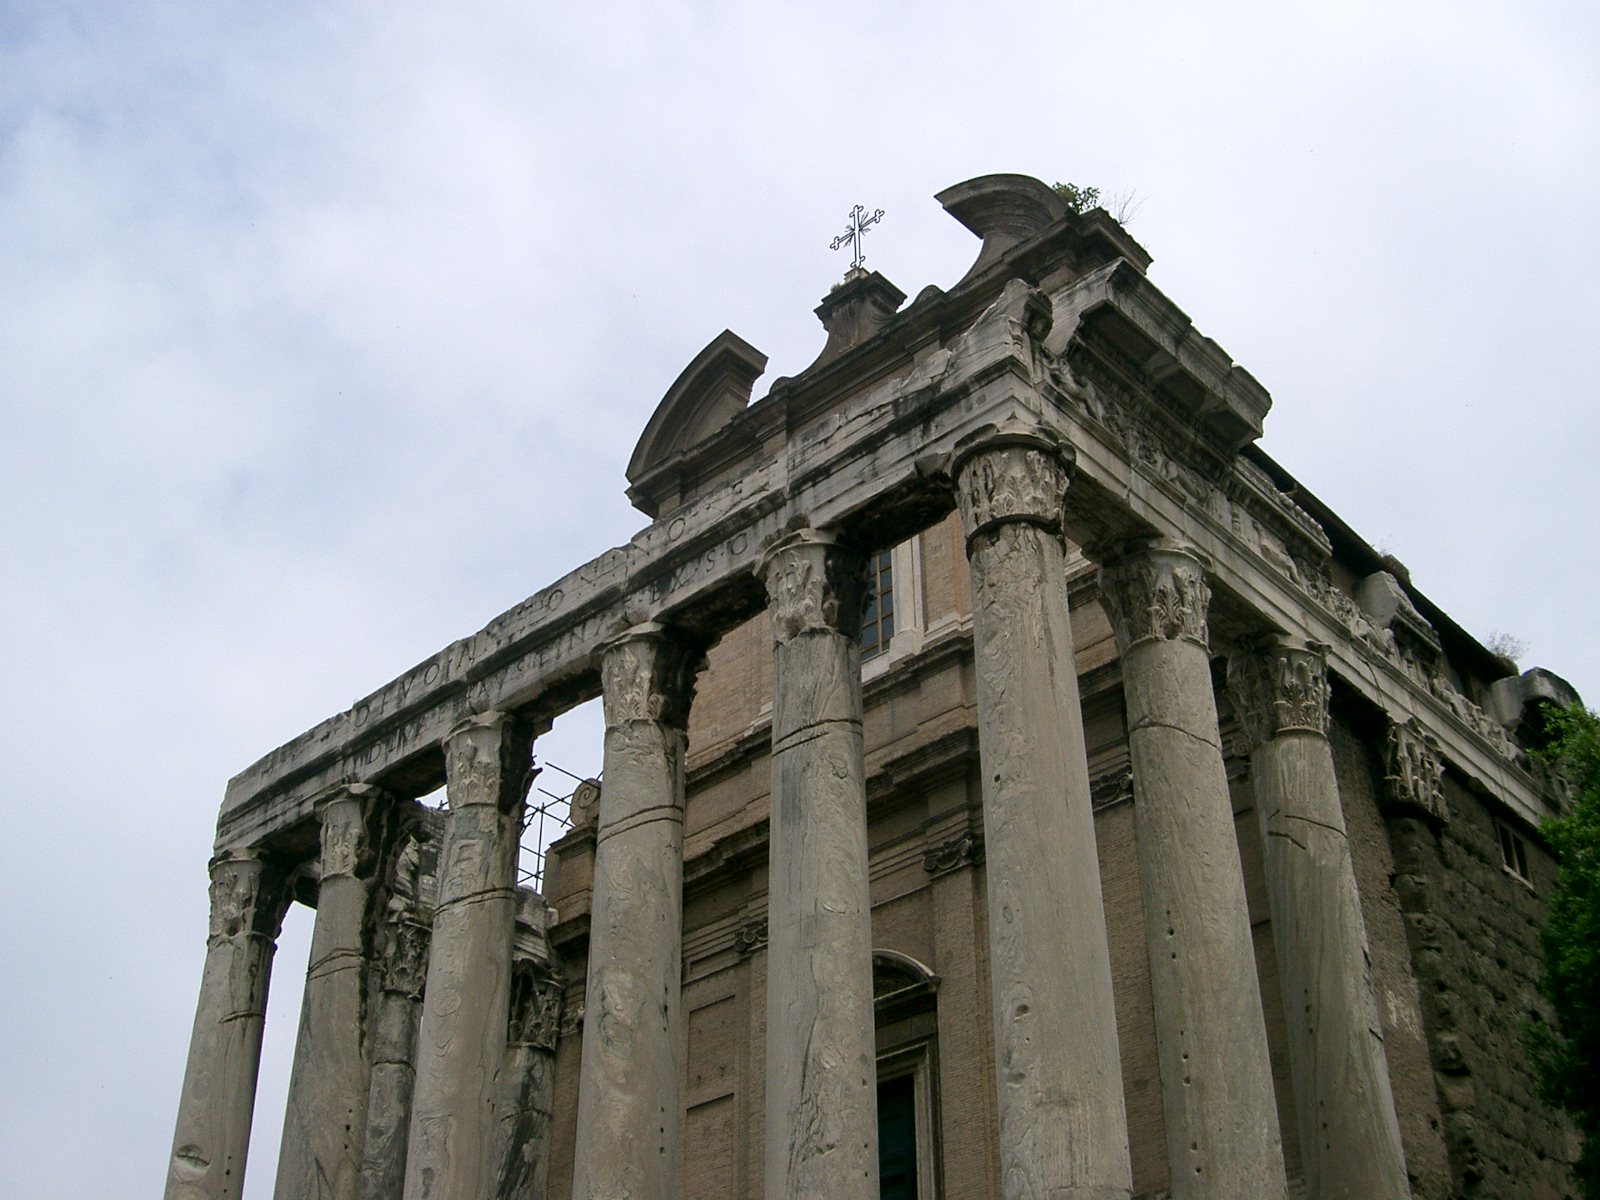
(854, 232)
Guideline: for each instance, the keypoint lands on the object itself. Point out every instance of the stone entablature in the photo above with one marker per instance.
(867, 469)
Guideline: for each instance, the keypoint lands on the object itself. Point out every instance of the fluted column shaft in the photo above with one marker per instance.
(1063, 1132)
(1223, 1140)
(248, 898)
(1349, 1132)
(821, 1082)
(462, 1038)
(627, 1134)
(325, 1123)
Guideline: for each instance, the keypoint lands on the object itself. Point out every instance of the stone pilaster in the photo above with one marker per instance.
(248, 899)
(1223, 1140)
(325, 1124)
(821, 1081)
(488, 768)
(1063, 1132)
(1349, 1133)
(627, 1133)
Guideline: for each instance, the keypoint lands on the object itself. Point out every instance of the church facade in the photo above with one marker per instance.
(1016, 784)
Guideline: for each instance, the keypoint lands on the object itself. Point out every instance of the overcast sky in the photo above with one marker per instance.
(326, 331)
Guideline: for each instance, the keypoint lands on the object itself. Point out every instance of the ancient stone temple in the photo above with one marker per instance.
(1015, 784)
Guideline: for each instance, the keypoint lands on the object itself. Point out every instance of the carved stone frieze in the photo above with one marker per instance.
(1011, 474)
(1415, 773)
(535, 1006)
(648, 675)
(815, 583)
(1279, 686)
(953, 854)
(1156, 593)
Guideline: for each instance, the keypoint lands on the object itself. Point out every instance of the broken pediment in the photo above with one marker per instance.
(713, 389)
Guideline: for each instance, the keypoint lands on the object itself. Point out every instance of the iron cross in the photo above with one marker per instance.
(854, 232)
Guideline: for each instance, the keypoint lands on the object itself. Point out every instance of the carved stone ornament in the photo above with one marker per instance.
(647, 675)
(814, 583)
(1415, 778)
(1280, 686)
(1011, 474)
(535, 1006)
(405, 956)
(954, 854)
(1156, 593)
(750, 937)
(489, 760)
(346, 843)
(247, 896)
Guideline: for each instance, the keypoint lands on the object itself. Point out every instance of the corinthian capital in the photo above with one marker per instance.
(1280, 686)
(815, 583)
(648, 675)
(248, 896)
(1013, 473)
(1156, 592)
(346, 817)
(488, 759)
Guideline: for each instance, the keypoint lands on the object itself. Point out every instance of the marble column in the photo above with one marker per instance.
(488, 768)
(627, 1133)
(248, 899)
(325, 1124)
(1063, 1131)
(1349, 1133)
(1223, 1140)
(821, 1082)
(394, 1045)
(528, 1083)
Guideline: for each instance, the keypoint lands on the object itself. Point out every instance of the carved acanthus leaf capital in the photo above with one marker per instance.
(488, 759)
(647, 674)
(535, 1006)
(1015, 473)
(248, 895)
(1415, 776)
(1280, 686)
(346, 818)
(405, 956)
(1156, 593)
(814, 583)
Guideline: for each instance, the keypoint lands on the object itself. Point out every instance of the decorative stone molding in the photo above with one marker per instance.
(248, 895)
(535, 1006)
(1115, 787)
(1279, 686)
(1415, 778)
(584, 809)
(1156, 592)
(648, 675)
(750, 937)
(815, 583)
(1011, 473)
(953, 854)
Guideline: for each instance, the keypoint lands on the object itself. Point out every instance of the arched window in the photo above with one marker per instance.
(905, 994)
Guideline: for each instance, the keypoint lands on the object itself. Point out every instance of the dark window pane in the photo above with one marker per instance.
(897, 1139)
